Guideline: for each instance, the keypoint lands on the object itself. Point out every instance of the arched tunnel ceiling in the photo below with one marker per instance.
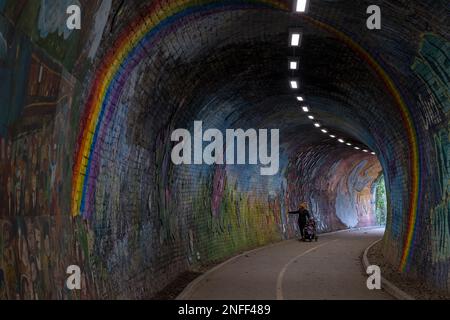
(246, 54)
(140, 69)
(242, 62)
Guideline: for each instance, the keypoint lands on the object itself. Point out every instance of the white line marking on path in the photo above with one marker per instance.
(286, 266)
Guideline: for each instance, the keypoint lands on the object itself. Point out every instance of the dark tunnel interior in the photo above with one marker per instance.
(86, 136)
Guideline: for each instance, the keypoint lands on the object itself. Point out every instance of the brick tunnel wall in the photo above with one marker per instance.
(151, 220)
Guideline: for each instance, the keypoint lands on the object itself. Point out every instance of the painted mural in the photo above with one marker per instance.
(432, 67)
(37, 98)
(337, 189)
(85, 124)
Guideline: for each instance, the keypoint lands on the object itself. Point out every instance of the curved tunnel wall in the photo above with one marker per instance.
(143, 220)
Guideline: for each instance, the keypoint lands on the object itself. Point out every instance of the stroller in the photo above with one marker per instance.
(310, 232)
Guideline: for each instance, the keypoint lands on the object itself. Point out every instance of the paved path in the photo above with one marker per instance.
(328, 269)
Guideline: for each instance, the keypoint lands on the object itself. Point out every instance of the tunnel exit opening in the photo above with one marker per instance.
(380, 200)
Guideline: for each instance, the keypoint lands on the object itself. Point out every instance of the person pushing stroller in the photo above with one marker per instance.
(303, 218)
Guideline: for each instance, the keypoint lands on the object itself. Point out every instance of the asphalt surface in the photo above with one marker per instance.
(292, 270)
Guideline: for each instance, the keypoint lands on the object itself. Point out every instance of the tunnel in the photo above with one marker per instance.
(88, 115)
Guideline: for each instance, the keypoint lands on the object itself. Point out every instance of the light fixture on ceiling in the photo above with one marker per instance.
(317, 125)
(373, 153)
(311, 117)
(295, 38)
(349, 144)
(293, 64)
(365, 151)
(301, 5)
(305, 109)
(341, 141)
(324, 130)
(299, 98)
(332, 136)
(357, 148)
(293, 84)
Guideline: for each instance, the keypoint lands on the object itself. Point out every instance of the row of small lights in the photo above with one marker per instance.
(295, 35)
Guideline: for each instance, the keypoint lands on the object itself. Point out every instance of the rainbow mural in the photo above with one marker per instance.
(407, 123)
(131, 47)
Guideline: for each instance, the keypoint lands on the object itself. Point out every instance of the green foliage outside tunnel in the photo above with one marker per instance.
(380, 201)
